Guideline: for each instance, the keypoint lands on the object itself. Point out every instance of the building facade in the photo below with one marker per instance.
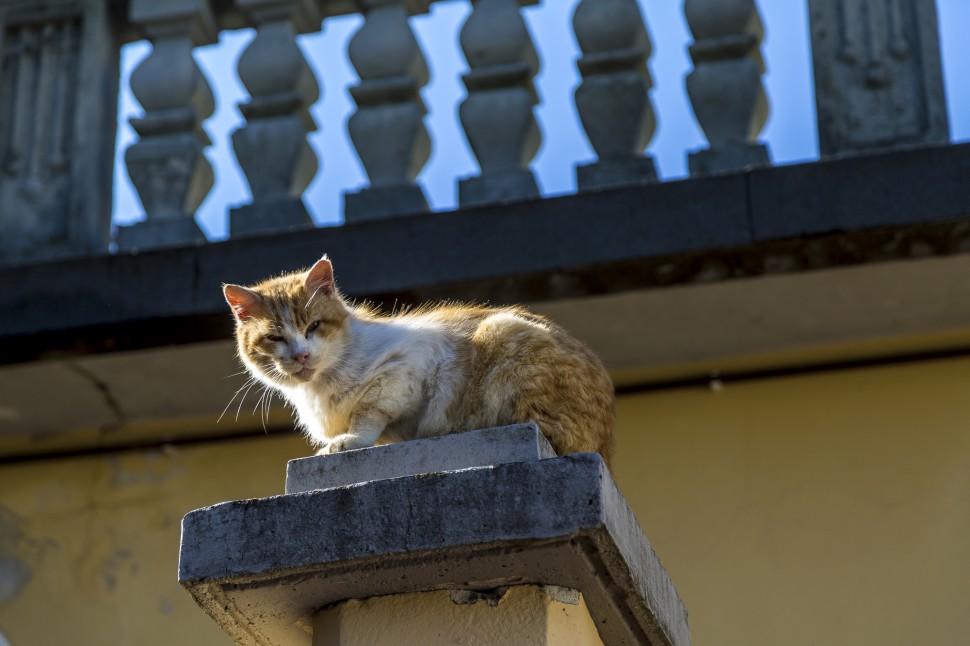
(790, 344)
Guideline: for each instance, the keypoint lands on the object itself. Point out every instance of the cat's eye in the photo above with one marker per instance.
(276, 338)
(313, 326)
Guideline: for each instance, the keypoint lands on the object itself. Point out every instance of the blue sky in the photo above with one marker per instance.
(790, 131)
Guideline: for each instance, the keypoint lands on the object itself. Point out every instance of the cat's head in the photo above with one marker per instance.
(290, 328)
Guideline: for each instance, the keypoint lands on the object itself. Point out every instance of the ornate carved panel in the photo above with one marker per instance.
(878, 80)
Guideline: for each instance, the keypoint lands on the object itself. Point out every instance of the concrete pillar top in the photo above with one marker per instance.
(262, 568)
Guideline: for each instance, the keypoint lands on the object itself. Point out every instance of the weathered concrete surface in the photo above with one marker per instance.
(269, 216)
(728, 157)
(498, 187)
(384, 202)
(488, 446)
(606, 174)
(262, 567)
(157, 234)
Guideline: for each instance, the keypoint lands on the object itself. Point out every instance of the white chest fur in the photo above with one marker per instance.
(411, 359)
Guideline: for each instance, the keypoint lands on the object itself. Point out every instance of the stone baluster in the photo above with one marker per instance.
(388, 128)
(498, 114)
(878, 78)
(612, 100)
(725, 86)
(272, 147)
(166, 165)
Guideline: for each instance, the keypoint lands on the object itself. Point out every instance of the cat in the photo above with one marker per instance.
(357, 378)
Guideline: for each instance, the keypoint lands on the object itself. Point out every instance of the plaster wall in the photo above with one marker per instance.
(831, 508)
(524, 615)
(94, 541)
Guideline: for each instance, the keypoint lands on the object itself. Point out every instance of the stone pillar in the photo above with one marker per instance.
(388, 128)
(58, 112)
(725, 86)
(166, 164)
(498, 114)
(878, 79)
(613, 100)
(272, 147)
(486, 532)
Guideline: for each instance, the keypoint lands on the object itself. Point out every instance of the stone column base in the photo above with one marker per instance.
(384, 202)
(497, 187)
(727, 158)
(269, 216)
(604, 174)
(152, 234)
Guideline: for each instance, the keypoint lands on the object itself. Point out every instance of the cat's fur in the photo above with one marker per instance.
(356, 377)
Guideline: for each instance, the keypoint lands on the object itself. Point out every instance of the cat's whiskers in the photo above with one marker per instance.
(249, 382)
(261, 405)
(267, 399)
(243, 398)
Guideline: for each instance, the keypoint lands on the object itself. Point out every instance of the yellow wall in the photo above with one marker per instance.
(831, 508)
(524, 616)
(102, 536)
(824, 509)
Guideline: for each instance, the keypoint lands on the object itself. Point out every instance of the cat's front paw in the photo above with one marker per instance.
(345, 442)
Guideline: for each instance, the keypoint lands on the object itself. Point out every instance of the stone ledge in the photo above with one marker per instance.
(489, 446)
(261, 568)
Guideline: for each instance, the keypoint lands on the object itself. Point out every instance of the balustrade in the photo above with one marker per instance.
(877, 74)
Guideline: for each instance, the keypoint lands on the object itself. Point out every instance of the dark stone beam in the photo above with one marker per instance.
(836, 212)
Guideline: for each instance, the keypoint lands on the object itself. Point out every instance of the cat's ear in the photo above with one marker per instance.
(320, 278)
(245, 303)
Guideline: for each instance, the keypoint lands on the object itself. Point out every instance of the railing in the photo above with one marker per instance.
(877, 75)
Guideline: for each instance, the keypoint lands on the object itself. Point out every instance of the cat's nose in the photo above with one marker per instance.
(301, 356)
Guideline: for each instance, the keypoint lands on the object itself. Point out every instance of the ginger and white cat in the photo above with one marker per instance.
(357, 377)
